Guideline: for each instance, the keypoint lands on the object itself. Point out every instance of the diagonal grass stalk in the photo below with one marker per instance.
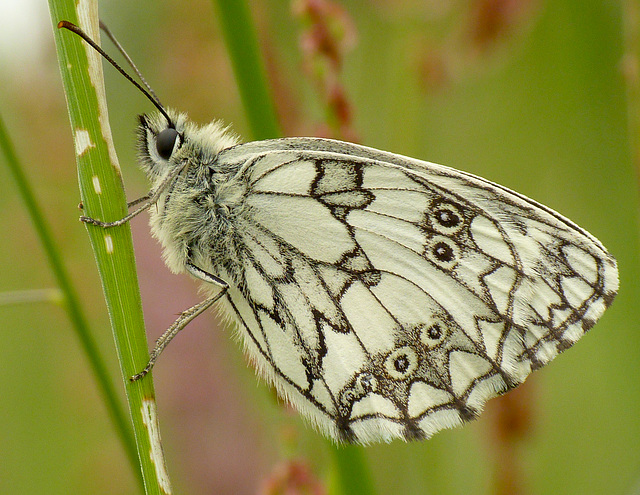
(69, 298)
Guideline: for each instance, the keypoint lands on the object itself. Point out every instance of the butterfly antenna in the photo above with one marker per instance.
(121, 49)
(148, 92)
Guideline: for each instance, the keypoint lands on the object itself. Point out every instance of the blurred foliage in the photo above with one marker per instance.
(534, 95)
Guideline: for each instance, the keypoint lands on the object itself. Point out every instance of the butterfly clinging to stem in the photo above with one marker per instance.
(383, 296)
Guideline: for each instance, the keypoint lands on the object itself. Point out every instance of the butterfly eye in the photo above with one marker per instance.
(166, 141)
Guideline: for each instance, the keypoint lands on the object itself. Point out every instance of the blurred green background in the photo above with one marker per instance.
(540, 96)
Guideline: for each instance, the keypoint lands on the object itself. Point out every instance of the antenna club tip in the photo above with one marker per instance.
(68, 25)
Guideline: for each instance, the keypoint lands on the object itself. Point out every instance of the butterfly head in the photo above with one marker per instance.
(164, 144)
(160, 142)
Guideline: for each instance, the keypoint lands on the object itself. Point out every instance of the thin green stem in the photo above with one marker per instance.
(70, 299)
(244, 53)
(103, 198)
(631, 71)
(351, 474)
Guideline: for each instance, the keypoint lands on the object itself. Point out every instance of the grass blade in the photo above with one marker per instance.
(103, 197)
(70, 300)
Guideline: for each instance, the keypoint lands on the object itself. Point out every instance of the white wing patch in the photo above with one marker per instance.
(386, 297)
(280, 215)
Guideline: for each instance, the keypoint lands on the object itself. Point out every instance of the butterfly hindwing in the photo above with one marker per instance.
(387, 297)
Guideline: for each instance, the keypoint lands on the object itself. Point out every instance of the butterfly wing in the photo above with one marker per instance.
(387, 297)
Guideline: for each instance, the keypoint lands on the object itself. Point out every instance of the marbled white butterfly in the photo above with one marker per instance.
(384, 297)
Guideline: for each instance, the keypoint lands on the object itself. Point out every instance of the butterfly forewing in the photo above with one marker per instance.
(387, 297)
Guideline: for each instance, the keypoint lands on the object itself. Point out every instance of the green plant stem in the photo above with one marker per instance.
(70, 300)
(102, 195)
(351, 474)
(242, 43)
(630, 65)
(244, 53)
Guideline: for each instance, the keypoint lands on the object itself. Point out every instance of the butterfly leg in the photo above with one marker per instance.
(122, 221)
(130, 204)
(146, 197)
(146, 200)
(185, 317)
